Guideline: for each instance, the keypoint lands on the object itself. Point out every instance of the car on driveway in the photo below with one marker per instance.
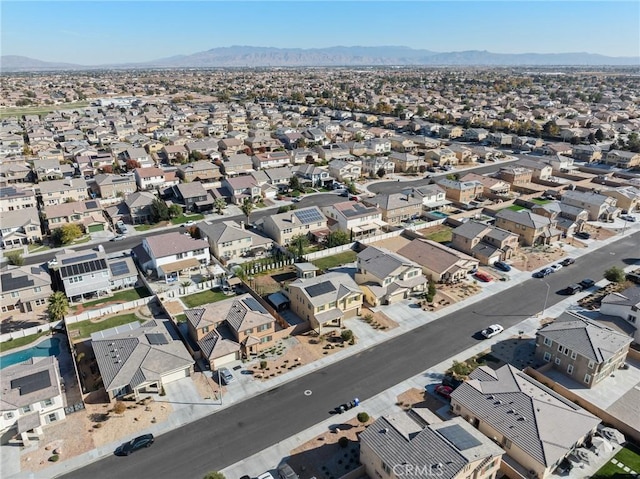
(629, 218)
(582, 235)
(451, 381)
(444, 391)
(556, 267)
(501, 265)
(542, 273)
(491, 331)
(226, 375)
(484, 277)
(135, 444)
(587, 283)
(567, 261)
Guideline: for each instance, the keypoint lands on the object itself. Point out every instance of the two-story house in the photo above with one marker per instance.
(87, 214)
(433, 196)
(516, 176)
(16, 198)
(138, 205)
(52, 169)
(627, 197)
(491, 187)
(584, 350)
(312, 175)
(20, 227)
(240, 187)
(193, 196)
(12, 172)
(229, 240)
(405, 162)
(523, 415)
(83, 274)
(539, 169)
(441, 157)
(622, 159)
(386, 277)
(600, 207)
(25, 289)
(325, 300)
(357, 219)
(587, 153)
(274, 159)
(152, 178)
(282, 227)
(372, 167)
(459, 191)
(202, 170)
(58, 191)
(625, 305)
(346, 171)
(533, 229)
(111, 186)
(485, 242)
(170, 254)
(396, 207)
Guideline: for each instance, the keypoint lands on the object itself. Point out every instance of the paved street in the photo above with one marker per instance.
(245, 428)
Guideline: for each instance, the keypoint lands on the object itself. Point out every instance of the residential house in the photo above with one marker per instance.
(83, 274)
(112, 186)
(333, 151)
(12, 172)
(229, 240)
(152, 178)
(136, 359)
(52, 169)
(193, 196)
(459, 191)
(539, 169)
(237, 164)
(139, 207)
(272, 159)
(515, 175)
(625, 305)
(31, 396)
(25, 289)
(491, 187)
(345, 170)
(484, 242)
(556, 149)
(86, 214)
(475, 134)
(450, 131)
(587, 153)
(278, 177)
(584, 350)
(439, 263)
(441, 157)
(175, 153)
(240, 187)
(231, 146)
(357, 219)
(20, 227)
(568, 219)
(282, 227)
(229, 330)
(16, 198)
(58, 191)
(386, 277)
(599, 206)
(203, 170)
(622, 159)
(378, 146)
(533, 229)
(627, 197)
(303, 155)
(402, 144)
(404, 445)
(498, 139)
(523, 416)
(373, 166)
(433, 196)
(312, 174)
(325, 300)
(170, 254)
(396, 207)
(405, 162)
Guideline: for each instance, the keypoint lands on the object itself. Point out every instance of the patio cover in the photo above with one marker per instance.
(326, 316)
(180, 265)
(234, 281)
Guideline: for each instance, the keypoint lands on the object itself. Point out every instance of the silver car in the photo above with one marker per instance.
(226, 375)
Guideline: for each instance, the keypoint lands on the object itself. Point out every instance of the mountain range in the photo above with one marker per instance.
(247, 56)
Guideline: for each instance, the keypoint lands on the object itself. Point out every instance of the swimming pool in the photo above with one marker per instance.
(48, 347)
(437, 214)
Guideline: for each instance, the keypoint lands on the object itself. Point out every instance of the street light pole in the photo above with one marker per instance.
(546, 298)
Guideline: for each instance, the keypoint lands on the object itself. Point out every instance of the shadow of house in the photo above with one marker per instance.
(327, 460)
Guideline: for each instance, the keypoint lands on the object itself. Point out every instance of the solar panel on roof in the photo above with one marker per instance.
(79, 259)
(459, 437)
(32, 382)
(119, 268)
(308, 216)
(321, 288)
(91, 204)
(13, 283)
(253, 305)
(156, 338)
(82, 268)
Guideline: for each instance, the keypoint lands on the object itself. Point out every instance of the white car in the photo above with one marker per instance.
(556, 267)
(492, 330)
(265, 475)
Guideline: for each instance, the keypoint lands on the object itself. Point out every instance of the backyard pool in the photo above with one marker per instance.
(48, 347)
(437, 214)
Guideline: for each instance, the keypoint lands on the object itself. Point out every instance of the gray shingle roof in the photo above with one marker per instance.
(383, 263)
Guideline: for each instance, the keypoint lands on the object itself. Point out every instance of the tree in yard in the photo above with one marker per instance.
(175, 211)
(363, 417)
(66, 234)
(614, 274)
(337, 238)
(591, 139)
(421, 111)
(351, 188)
(599, 135)
(132, 164)
(107, 169)
(431, 291)
(294, 183)
(58, 306)
(381, 172)
(310, 160)
(214, 475)
(247, 208)
(15, 258)
(219, 204)
(298, 244)
(159, 210)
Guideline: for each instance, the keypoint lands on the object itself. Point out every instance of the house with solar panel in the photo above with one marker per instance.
(305, 221)
(325, 300)
(523, 416)
(86, 214)
(419, 445)
(228, 330)
(31, 396)
(24, 289)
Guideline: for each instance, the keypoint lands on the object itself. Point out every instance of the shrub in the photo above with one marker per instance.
(119, 407)
(362, 417)
(346, 335)
(614, 274)
(343, 442)
(54, 458)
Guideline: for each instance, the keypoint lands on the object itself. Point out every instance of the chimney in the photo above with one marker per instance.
(293, 218)
(242, 225)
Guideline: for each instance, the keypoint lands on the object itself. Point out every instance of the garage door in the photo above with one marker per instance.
(167, 378)
(94, 228)
(222, 360)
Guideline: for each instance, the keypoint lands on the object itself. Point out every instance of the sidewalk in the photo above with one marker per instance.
(383, 403)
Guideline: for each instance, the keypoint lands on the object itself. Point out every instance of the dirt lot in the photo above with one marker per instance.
(420, 399)
(174, 307)
(265, 284)
(393, 244)
(534, 257)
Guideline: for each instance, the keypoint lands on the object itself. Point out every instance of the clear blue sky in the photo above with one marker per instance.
(93, 32)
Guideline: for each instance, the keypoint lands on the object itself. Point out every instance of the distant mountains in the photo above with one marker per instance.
(245, 56)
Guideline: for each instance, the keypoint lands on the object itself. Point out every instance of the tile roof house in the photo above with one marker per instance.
(87, 214)
(228, 330)
(345, 170)
(372, 166)
(515, 175)
(139, 206)
(238, 188)
(312, 174)
(135, 359)
(460, 191)
(193, 196)
(272, 159)
(439, 263)
(433, 196)
(357, 219)
(283, 227)
(626, 305)
(20, 227)
(403, 445)
(627, 197)
(325, 300)
(491, 187)
(24, 289)
(31, 396)
(396, 207)
(485, 242)
(52, 169)
(523, 416)
(622, 159)
(58, 191)
(533, 229)
(237, 164)
(14, 172)
(405, 162)
(584, 350)
(199, 171)
(151, 178)
(16, 198)
(169, 254)
(599, 206)
(229, 240)
(110, 186)
(386, 277)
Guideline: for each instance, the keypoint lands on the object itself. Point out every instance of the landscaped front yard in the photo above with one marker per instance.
(178, 220)
(86, 328)
(627, 457)
(198, 299)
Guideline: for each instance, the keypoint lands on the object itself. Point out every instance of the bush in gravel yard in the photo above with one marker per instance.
(343, 442)
(363, 417)
(119, 407)
(54, 458)
(346, 335)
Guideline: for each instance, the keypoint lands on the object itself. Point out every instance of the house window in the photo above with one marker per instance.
(591, 364)
(570, 369)
(506, 442)
(557, 361)
(26, 409)
(263, 327)
(574, 355)
(547, 342)
(37, 289)
(53, 417)
(631, 319)
(587, 378)
(248, 331)
(47, 402)
(15, 294)
(386, 468)
(547, 356)
(265, 339)
(8, 415)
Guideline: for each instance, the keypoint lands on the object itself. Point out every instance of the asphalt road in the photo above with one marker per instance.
(248, 427)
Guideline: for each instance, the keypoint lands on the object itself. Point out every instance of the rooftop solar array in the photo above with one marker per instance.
(309, 216)
(32, 382)
(357, 209)
(79, 259)
(82, 268)
(253, 305)
(119, 268)
(14, 283)
(156, 338)
(91, 204)
(459, 437)
(319, 289)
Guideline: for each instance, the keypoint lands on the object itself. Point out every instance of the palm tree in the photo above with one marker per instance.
(247, 208)
(58, 306)
(219, 204)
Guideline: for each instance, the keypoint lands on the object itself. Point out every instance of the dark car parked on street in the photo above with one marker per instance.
(135, 444)
(567, 261)
(587, 283)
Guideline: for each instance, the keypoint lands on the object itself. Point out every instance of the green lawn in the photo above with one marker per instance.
(539, 201)
(18, 342)
(88, 327)
(629, 456)
(181, 318)
(40, 109)
(198, 299)
(178, 220)
(516, 208)
(441, 236)
(335, 260)
(120, 296)
(35, 247)
(84, 239)
(144, 227)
